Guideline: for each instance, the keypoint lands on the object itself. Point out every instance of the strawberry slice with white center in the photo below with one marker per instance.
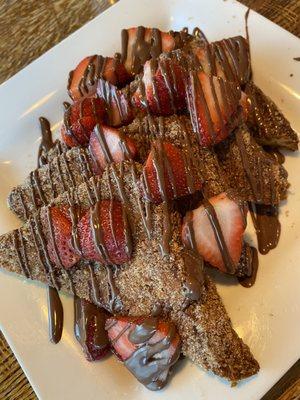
(168, 174)
(83, 79)
(139, 44)
(214, 107)
(109, 145)
(149, 347)
(217, 228)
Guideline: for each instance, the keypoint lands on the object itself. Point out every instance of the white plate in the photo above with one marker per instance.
(266, 316)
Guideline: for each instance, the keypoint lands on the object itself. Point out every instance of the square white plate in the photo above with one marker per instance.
(267, 316)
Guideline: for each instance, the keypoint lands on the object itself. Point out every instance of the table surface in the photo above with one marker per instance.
(28, 28)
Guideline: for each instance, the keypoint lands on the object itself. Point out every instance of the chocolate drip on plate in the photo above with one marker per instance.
(55, 315)
(55, 308)
(252, 263)
(267, 226)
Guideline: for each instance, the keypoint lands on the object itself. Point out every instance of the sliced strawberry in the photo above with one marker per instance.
(59, 240)
(162, 88)
(89, 329)
(109, 145)
(103, 233)
(80, 119)
(117, 103)
(148, 346)
(167, 173)
(228, 217)
(139, 44)
(83, 80)
(228, 59)
(213, 105)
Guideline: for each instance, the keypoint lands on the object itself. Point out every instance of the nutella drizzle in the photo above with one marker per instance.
(148, 363)
(213, 219)
(252, 265)
(92, 73)
(55, 315)
(55, 308)
(266, 224)
(141, 49)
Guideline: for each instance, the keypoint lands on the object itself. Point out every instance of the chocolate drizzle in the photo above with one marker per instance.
(55, 315)
(94, 70)
(55, 308)
(249, 278)
(267, 226)
(86, 315)
(213, 219)
(151, 362)
(143, 48)
(194, 282)
(46, 142)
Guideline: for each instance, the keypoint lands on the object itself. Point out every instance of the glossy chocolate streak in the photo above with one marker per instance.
(46, 142)
(142, 49)
(275, 153)
(197, 98)
(97, 233)
(213, 219)
(55, 315)
(115, 302)
(250, 278)
(41, 246)
(150, 363)
(162, 167)
(87, 315)
(55, 308)
(194, 275)
(18, 242)
(144, 207)
(267, 226)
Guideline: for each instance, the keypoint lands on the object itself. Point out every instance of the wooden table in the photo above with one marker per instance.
(28, 28)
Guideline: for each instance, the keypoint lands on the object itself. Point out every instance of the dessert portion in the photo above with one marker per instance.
(162, 154)
(160, 271)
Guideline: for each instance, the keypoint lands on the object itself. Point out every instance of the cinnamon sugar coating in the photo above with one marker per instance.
(250, 171)
(146, 281)
(268, 124)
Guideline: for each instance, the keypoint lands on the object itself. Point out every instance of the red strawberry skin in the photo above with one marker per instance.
(117, 104)
(108, 145)
(164, 88)
(169, 159)
(113, 72)
(117, 249)
(60, 251)
(231, 218)
(80, 119)
(89, 329)
(119, 329)
(212, 103)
